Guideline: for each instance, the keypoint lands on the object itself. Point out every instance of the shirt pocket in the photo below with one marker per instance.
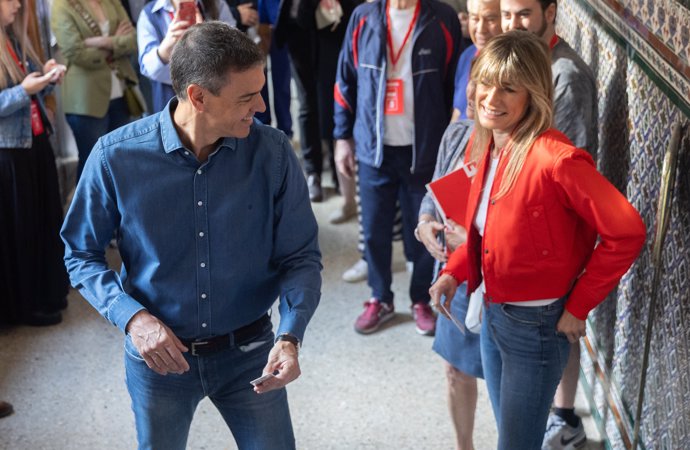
(540, 232)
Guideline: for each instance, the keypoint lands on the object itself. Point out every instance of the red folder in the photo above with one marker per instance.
(451, 191)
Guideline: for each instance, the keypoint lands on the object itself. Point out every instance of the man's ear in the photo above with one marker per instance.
(550, 13)
(196, 96)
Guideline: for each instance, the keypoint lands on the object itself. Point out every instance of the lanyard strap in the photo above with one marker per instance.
(554, 41)
(395, 57)
(15, 57)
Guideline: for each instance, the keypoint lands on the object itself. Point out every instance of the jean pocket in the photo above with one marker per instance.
(131, 350)
(521, 314)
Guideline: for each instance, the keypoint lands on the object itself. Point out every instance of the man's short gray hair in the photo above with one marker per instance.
(205, 55)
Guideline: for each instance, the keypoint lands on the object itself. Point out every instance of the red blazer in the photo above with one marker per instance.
(539, 240)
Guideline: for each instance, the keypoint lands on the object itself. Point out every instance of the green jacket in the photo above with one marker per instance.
(87, 84)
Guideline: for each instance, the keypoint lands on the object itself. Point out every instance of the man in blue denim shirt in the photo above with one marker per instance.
(214, 223)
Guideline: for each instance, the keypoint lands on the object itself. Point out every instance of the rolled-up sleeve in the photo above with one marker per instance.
(88, 227)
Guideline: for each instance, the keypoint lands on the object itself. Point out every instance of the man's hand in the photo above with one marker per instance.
(283, 359)
(157, 344)
(248, 15)
(445, 286)
(456, 235)
(345, 157)
(571, 326)
(427, 233)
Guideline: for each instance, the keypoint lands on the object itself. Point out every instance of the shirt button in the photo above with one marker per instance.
(200, 203)
(203, 264)
(545, 252)
(199, 171)
(203, 325)
(535, 213)
(201, 234)
(203, 295)
(486, 251)
(186, 153)
(493, 202)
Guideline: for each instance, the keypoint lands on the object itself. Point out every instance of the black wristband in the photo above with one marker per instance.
(288, 338)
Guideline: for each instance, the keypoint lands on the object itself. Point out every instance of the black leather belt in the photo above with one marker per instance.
(209, 346)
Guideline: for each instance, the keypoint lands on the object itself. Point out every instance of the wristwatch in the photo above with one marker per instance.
(288, 338)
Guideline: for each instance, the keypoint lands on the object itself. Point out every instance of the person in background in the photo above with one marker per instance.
(33, 280)
(394, 133)
(214, 225)
(548, 237)
(158, 29)
(460, 350)
(280, 69)
(96, 39)
(484, 22)
(575, 115)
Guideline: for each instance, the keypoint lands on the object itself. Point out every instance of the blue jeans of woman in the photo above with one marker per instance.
(87, 129)
(164, 405)
(523, 357)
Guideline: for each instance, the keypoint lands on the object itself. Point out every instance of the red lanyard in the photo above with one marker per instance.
(15, 57)
(554, 41)
(395, 57)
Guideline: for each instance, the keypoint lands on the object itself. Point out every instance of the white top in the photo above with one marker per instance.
(398, 129)
(480, 224)
(116, 89)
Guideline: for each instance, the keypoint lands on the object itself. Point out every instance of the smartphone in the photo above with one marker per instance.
(261, 379)
(187, 11)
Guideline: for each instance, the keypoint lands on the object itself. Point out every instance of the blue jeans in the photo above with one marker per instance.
(87, 129)
(379, 188)
(523, 357)
(164, 405)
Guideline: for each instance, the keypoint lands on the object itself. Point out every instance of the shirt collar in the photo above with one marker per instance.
(162, 4)
(170, 138)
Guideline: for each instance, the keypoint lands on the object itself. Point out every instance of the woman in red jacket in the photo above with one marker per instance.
(535, 211)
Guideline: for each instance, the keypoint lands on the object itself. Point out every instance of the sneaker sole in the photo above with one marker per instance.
(425, 332)
(383, 320)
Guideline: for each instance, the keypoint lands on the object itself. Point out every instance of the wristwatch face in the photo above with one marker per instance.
(288, 338)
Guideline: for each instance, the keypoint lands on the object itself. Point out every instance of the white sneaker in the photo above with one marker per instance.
(358, 272)
(561, 436)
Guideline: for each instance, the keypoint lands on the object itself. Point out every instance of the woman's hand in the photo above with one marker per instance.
(56, 71)
(35, 82)
(571, 326)
(248, 15)
(123, 28)
(102, 42)
(175, 32)
(456, 235)
(443, 290)
(427, 233)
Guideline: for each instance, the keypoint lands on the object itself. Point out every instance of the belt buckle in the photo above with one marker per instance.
(197, 344)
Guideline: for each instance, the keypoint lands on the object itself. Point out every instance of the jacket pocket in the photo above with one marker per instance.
(540, 232)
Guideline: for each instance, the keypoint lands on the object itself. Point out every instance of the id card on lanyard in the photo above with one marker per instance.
(37, 127)
(394, 103)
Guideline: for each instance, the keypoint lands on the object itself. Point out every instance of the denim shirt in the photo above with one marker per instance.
(206, 247)
(15, 114)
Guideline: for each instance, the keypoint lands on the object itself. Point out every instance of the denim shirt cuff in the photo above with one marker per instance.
(293, 325)
(122, 310)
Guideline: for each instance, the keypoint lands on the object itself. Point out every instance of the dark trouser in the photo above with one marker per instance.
(379, 189)
(280, 77)
(88, 129)
(302, 55)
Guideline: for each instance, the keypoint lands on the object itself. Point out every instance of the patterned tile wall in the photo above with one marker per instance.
(635, 117)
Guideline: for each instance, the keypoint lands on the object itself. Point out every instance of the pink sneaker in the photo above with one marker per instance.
(424, 318)
(375, 313)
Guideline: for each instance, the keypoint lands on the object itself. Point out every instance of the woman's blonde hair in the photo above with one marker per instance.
(10, 74)
(516, 58)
